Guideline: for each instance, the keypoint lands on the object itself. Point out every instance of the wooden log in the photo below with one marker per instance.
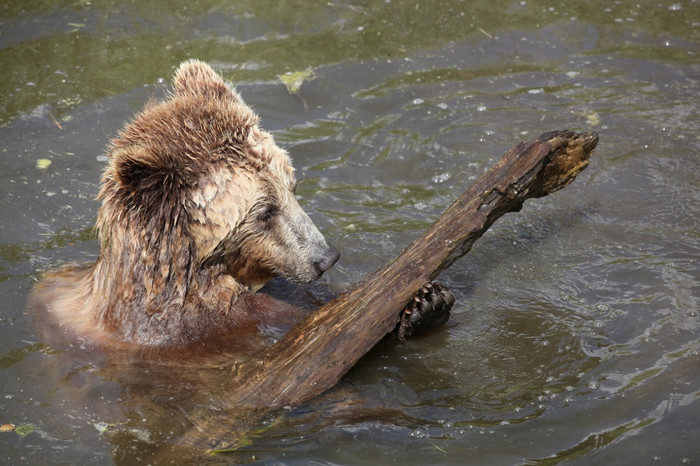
(318, 351)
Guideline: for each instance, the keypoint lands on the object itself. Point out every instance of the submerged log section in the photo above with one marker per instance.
(316, 353)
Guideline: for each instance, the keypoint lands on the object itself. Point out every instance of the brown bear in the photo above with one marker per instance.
(197, 213)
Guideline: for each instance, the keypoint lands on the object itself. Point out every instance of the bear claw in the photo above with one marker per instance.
(428, 309)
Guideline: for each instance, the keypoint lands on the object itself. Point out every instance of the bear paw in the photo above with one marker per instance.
(430, 308)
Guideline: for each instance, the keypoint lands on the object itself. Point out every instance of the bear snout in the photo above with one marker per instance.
(329, 258)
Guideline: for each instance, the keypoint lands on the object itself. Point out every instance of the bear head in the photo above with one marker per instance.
(194, 184)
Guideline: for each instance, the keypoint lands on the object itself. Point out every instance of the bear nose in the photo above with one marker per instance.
(330, 258)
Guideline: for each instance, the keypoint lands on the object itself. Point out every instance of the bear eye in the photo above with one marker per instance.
(266, 213)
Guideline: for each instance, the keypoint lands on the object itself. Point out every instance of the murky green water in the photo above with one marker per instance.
(575, 336)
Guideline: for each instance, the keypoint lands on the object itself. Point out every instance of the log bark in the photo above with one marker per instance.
(318, 351)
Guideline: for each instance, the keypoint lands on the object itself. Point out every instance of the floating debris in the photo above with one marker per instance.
(43, 164)
(24, 430)
(593, 119)
(7, 427)
(294, 80)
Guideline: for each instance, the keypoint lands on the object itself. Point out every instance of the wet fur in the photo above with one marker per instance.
(197, 213)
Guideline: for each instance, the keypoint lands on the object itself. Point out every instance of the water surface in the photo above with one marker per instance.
(575, 336)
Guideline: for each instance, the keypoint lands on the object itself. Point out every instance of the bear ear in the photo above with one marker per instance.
(197, 78)
(143, 179)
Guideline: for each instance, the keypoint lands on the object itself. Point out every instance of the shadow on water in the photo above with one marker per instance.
(575, 334)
